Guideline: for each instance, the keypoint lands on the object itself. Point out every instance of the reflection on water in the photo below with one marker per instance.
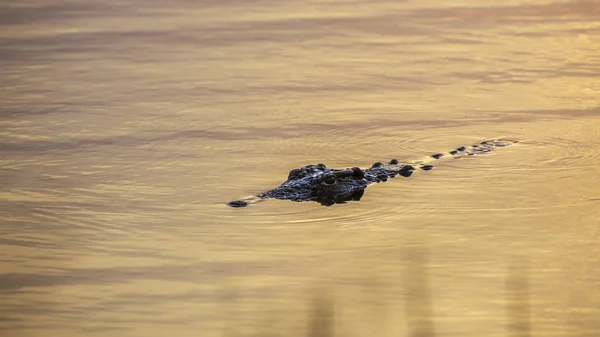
(321, 317)
(127, 127)
(419, 315)
(517, 295)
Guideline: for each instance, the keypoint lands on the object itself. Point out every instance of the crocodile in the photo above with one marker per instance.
(329, 186)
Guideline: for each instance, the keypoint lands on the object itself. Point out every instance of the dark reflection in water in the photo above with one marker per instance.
(517, 297)
(321, 316)
(418, 301)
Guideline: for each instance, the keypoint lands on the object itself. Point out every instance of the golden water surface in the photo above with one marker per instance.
(128, 125)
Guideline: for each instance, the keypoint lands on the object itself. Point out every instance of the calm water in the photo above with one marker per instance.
(126, 128)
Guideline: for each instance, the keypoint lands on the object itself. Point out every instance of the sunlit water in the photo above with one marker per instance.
(126, 128)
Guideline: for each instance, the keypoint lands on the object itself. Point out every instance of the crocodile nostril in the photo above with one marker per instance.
(238, 203)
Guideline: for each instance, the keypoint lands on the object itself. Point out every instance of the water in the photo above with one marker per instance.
(126, 128)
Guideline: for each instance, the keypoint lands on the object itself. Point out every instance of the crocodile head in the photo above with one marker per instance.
(321, 184)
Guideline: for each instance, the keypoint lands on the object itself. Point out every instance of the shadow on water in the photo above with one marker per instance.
(419, 312)
(321, 316)
(417, 301)
(416, 293)
(517, 297)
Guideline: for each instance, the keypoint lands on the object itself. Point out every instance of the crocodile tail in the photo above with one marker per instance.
(463, 151)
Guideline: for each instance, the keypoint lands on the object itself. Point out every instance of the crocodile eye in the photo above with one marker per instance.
(329, 179)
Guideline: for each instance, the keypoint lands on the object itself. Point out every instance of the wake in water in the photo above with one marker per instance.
(329, 186)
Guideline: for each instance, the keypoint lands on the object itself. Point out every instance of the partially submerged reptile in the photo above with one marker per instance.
(329, 186)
